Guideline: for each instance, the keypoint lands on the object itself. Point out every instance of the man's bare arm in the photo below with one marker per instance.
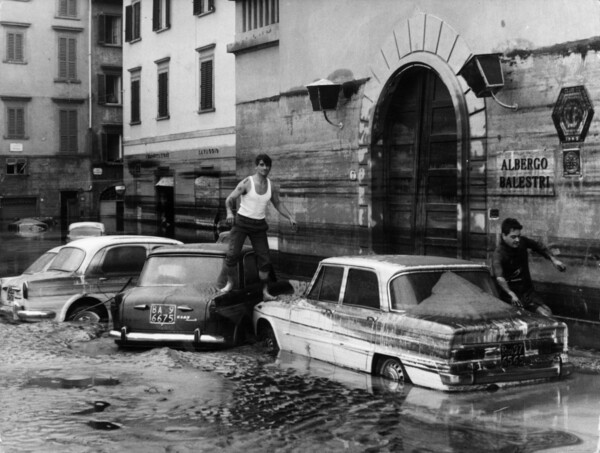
(281, 207)
(230, 201)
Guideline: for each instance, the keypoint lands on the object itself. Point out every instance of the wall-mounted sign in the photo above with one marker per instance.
(16, 147)
(525, 173)
(572, 162)
(572, 114)
(97, 171)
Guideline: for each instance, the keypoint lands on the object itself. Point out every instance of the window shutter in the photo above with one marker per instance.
(101, 89)
(10, 46)
(62, 58)
(12, 121)
(163, 94)
(63, 8)
(63, 132)
(72, 5)
(197, 7)
(73, 130)
(167, 13)
(20, 123)
(101, 28)
(211, 5)
(128, 23)
(72, 58)
(135, 101)
(137, 20)
(18, 56)
(155, 15)
(103, 146)
(206, 85)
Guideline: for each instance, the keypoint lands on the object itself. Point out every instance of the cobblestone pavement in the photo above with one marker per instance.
(67, 388)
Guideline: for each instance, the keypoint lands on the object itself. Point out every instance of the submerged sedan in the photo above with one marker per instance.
(435, 322)
(177, 301)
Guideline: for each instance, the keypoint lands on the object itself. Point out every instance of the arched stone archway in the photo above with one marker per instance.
(424, 41)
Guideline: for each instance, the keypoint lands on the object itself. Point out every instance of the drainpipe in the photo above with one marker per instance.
(90, 64)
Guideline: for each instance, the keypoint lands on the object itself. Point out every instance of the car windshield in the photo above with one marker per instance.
(40, 264)
(409, 290)
(68, 259)
(182, 270)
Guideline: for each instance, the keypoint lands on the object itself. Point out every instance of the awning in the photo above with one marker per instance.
(165, 181)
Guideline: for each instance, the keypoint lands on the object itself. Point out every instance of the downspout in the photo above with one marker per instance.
(89, 64)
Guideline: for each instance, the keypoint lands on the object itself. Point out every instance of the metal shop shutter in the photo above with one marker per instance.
(18, 208)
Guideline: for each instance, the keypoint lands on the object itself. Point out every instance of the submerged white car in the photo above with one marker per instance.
(435, 322)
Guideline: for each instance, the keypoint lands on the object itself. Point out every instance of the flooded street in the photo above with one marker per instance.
(68, 388)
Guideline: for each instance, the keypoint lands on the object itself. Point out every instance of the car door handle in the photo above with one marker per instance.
(185, 308)
(141, 307)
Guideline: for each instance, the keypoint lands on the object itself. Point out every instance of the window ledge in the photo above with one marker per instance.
(206, 13)
(14, 62)
(58, 80)
(162, 118)
(8, 137)
(200, 112)
(135, 123)
(256, 39)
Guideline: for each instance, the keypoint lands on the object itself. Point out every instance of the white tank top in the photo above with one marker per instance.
(254, 205)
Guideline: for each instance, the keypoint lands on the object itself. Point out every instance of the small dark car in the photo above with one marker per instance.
(177, 301)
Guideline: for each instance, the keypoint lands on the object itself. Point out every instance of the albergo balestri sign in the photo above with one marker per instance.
(529, 173)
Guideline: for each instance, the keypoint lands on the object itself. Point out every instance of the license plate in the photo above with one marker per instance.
(162, 314)
(512, 354)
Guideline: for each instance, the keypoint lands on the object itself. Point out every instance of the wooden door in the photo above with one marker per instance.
(422, 186)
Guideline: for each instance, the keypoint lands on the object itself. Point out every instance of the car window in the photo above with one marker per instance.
(127, 259)
(328, 284)
(411, 289)
(168, 270)
(250, 269)
(68, 259)
(41, 263)
(362, 289)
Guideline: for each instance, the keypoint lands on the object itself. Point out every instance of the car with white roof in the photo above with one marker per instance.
(433, 321)
(82, 279)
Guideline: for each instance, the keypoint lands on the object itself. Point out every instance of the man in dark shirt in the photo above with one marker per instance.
(510, 266)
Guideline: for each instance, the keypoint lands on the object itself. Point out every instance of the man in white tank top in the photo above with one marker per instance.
(255, 192)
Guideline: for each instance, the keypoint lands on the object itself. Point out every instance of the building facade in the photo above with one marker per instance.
(429, 147)
(48, 110)
(179, 116)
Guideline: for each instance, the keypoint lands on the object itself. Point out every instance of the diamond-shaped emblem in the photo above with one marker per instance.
(572, 114)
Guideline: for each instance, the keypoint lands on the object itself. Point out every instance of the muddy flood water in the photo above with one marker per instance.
(68, 388)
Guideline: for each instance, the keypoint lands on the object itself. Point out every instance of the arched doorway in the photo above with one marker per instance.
(417, 161)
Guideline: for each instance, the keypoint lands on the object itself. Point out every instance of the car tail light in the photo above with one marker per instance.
(25, 293)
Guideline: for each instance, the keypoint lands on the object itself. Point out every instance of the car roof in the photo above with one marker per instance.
(393, 264)
(98, 225)
(206, 248)
(97, 242)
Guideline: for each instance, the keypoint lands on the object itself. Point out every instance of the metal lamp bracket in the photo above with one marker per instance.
(339, 125)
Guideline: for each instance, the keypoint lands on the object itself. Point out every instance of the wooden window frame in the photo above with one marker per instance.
(203, 7)
(161, 15)
(162, 89)
(67, 8)
(115, 21)
(68, 130)
(133, 22)
(206, 87)
(135, 100)
(67, 58)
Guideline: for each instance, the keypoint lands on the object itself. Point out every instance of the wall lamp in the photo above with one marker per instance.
(120, 189)
(324, 96)
(483, 74)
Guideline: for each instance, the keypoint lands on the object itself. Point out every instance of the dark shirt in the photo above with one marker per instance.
(513, 264)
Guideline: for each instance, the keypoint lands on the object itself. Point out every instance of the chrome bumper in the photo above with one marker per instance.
(35, 315)
(197, 338)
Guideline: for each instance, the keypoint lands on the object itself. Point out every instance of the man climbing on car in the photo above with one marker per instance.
(510, 265)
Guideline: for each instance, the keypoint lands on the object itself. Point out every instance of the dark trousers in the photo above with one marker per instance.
(256, 231)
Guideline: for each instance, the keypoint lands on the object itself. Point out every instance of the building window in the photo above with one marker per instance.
(109, 87)
(133, 22)
(16, 166)
(14, 47)
(203, 6)
(111, 144)
(161, 14)
(135, 98)
(109, 30)
(15, 119)
(68, 131)
(163, 88)
(259, 13)
(207, 81)
(67, 8)
(67, 58)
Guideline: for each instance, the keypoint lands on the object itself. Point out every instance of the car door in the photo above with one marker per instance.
(115, 267)
(311, 318)
(356, 320)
